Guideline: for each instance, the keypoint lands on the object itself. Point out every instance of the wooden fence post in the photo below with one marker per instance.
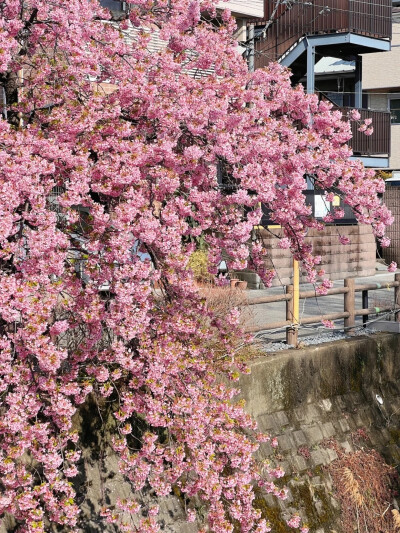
(397, 297)
(291, 332)
(349, 305)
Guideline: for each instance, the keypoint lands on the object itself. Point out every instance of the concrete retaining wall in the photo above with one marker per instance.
(301, 396)
(326, 392)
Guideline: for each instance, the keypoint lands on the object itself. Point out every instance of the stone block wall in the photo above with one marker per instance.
(306, 398)
(340, 261)
(317, 397)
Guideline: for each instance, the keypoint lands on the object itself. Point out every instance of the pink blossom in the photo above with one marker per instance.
(385, 242)
(59, 327)
(344, 240)
(284, 243)
(392, 267)
(115, 175)
(294, 521)
(354, 114)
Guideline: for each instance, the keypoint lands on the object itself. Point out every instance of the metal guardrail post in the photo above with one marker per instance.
(397, 297)
(365, 306)
(349, 305)
(291, 332)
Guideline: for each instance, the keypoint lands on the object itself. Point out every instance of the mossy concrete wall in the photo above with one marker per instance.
(306, 397)
(303, 397)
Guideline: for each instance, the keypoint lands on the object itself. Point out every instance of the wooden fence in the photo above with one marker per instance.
(349, 313)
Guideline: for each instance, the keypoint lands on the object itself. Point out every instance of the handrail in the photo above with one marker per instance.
(379, 142)
(314, 294)
(349, 312)
(372, 19)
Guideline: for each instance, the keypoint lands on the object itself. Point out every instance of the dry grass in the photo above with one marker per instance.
(365, 486)
(396, 518)
(351, 486)
(221, 301)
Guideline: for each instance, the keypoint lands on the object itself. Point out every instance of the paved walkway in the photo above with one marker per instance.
(274, 312)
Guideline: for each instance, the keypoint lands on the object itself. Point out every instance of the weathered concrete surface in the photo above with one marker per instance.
(289, 378)
(301, 396)
(100, 484)
(307, 396)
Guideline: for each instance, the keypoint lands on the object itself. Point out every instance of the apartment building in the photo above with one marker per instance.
(324, 42)
(382, 89)
(304, 32)
(381, 83)
(300, 34)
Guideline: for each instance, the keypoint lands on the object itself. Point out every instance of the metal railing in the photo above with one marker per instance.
(295, 20)
(349, 313)
(379, 143)
(376, 144)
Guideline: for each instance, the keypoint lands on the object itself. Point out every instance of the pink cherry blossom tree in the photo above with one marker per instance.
(108, 178)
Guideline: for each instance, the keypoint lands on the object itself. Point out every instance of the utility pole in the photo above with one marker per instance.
(296, 301)
(250, 58)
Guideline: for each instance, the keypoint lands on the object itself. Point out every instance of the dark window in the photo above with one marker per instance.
(395, 110)
(114, 5)
(225, 180)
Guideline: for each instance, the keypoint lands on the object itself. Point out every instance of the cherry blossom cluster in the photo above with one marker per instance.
(108, 180)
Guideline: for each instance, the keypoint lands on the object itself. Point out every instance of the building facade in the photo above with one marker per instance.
(381, 82)
(303, 33)
(325, 45)
(300, 34)
(382, 88)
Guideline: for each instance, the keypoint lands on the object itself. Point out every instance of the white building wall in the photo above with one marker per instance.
(381, 76)
(395, 147)
(249, 8)
(382, 70)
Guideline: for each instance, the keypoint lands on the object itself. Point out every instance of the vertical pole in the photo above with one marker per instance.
(4, 98)
(349, 306)
(310, 69)
(296, 293)
(251, 48)
(397, 297)
(358, 83)
(365, 306)
(291, 332)
(20, 93)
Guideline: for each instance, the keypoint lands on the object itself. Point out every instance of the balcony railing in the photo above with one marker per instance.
(376, 144)
(307, 17)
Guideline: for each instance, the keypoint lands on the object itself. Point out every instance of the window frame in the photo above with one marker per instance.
(391, 97)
